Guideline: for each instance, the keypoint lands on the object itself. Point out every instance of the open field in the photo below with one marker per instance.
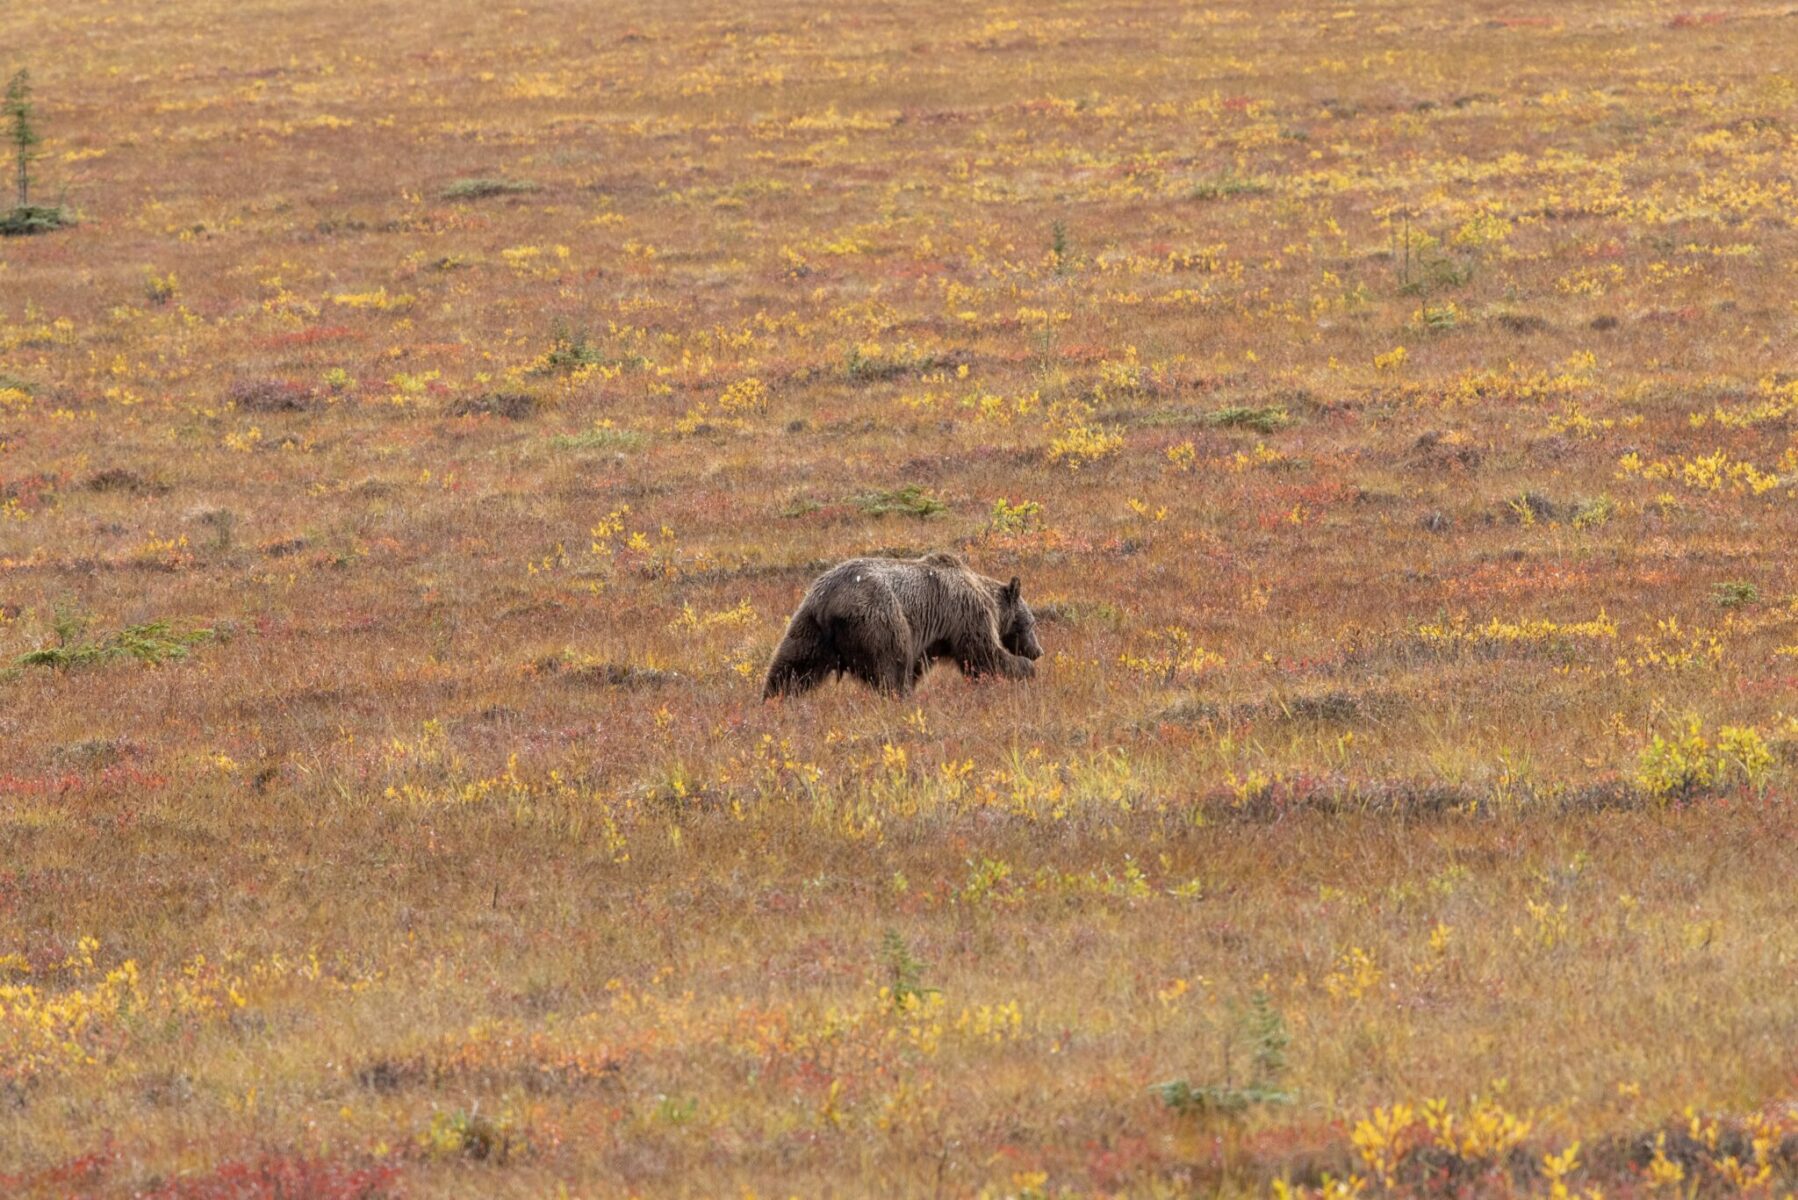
(408, 464)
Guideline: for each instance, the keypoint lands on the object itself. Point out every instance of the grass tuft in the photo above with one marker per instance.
(912, 500)
(1265, 419)
(482, 189)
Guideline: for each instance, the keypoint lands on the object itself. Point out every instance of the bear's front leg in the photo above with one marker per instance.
(1016, 666)
(981, 658)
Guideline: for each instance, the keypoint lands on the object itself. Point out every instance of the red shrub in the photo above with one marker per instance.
(284, 1177)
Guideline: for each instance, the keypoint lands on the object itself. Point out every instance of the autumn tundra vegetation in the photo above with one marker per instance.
(421, 421)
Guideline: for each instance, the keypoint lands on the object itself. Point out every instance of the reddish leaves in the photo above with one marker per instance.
(284, 1177)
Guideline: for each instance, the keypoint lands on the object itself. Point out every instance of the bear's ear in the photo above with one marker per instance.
(1012, 590)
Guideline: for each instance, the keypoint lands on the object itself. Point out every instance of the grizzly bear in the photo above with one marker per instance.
(886, 620)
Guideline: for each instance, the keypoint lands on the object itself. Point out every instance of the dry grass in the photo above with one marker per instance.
(409, 461)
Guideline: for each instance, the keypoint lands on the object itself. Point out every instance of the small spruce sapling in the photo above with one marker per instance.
(19, 113)
(1264, 1030)
(24, 134)
(905, 973)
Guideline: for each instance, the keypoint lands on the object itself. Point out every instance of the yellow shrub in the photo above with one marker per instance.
(1081, 444)
(746, 395)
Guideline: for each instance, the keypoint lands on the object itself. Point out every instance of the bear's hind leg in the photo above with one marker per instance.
(799, 666)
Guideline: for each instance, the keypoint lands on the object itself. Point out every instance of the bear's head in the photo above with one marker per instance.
(1017, 624)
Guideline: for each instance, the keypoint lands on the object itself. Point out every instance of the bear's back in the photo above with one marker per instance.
(937, 589)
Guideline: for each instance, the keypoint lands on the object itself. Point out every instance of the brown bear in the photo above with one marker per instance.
(886, 620)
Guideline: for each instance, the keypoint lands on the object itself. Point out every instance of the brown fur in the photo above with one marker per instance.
(886, 620)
